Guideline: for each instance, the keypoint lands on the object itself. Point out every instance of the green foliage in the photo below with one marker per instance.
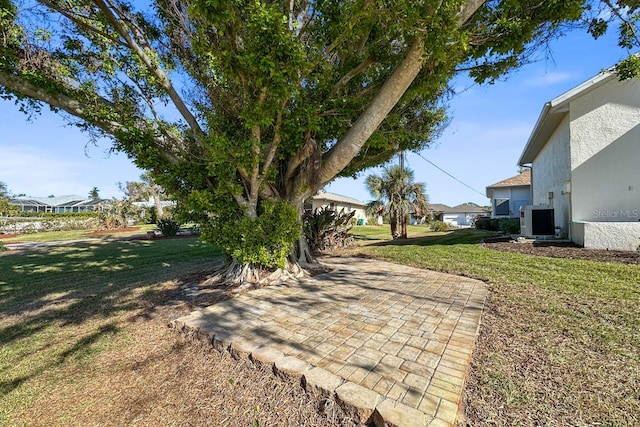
(326, 229)
(168, 227)
(504, 225)
(439, 226)
(266, 240)
(94, 194)
(58, 215)
(483, 224)
(28, 225)
(3, 248)
(396, 194)
(114, 214)
(509, 225)
(7, 209)
(151, 215)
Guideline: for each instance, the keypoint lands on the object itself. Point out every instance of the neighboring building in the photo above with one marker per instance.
(337, 203)
(150, 204)
(436, 210)
(509, 195)
(58, 204)
(584, 152)
(463, 215)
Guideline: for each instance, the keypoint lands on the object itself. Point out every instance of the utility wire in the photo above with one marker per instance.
(442, 170)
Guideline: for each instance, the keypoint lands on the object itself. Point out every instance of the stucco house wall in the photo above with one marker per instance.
(509, 195)
(605, 153)
(585, 150)
(550, 171)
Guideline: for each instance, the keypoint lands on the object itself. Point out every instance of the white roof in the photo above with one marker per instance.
(324, 195)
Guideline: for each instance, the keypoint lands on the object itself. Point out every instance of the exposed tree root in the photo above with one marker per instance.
(242, 277)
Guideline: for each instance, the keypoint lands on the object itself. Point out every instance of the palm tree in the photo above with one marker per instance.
(396, 192)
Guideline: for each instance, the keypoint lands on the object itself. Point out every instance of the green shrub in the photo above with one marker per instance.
(483, 223)
(3, 247)
(326, 229)
(509, 225)
(168, 227)
(439, 226)
(151, 216)
(504, 225)
(58, 215)
(266, 240)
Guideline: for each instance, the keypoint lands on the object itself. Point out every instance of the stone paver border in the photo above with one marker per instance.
(389, 343)
(363, 405)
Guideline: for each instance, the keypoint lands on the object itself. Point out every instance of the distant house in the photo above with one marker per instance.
(337, 203)
(462, 215)
(584, 154)
(59, 204)
(509, 195)
(436, 210)
(150, 204)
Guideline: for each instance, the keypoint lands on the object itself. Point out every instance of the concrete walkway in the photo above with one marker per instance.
(403, 333)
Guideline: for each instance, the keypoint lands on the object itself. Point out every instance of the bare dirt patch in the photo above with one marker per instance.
(562, 250)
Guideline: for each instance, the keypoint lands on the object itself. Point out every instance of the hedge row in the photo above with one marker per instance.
(504, 225)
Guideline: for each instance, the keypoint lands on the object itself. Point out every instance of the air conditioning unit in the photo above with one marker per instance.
(537, 220)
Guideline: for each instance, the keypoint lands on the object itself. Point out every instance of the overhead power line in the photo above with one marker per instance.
(447, 173)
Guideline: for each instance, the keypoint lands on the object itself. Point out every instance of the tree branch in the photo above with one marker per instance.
(155, 69)
(351, 74)
(71, 106)
(348, 147)
(77, 20)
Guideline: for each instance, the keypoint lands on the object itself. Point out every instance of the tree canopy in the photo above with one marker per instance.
(242, 109)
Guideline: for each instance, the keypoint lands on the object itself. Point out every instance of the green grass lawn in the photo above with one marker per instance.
(383, 232)
(62, 307)
(54, 236)
(560, 338)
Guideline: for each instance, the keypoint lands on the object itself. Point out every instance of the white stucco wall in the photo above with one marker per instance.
(620, 236)
(550, 170)
(605, 154)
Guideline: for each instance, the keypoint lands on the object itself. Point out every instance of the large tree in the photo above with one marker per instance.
(242, 109)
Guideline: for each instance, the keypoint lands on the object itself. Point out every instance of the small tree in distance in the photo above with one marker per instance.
(142, 191)
(94, 194)
(399, 195)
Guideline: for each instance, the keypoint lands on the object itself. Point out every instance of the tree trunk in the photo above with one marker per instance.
(404, 226)
(155, 194)
(393, 222)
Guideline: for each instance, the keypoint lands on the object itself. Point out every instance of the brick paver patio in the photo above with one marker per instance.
(405, 333)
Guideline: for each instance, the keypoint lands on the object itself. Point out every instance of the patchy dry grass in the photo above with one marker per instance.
(54, 236)
(559, 341)
(85, 342)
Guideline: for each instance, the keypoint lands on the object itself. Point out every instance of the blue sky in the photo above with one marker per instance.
(489, 127)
